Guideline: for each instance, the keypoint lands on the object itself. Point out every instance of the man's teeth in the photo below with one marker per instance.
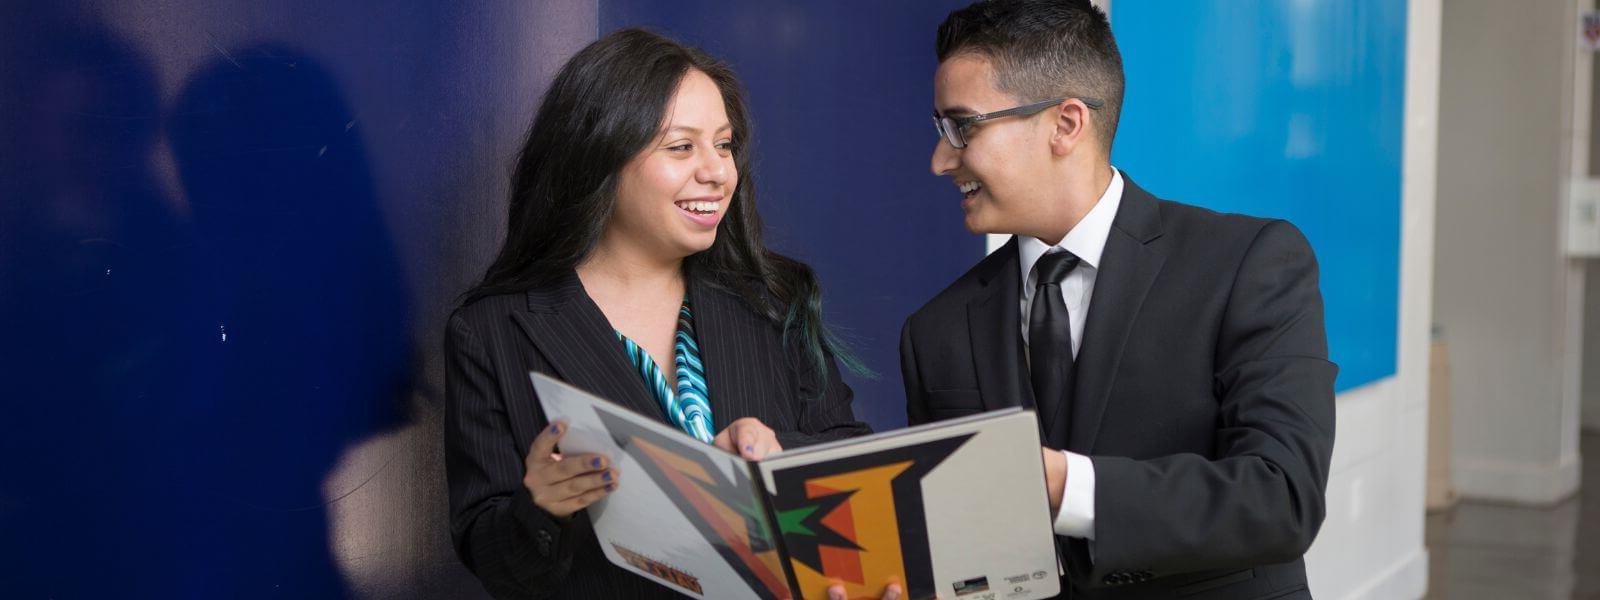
(970, 187)
(702, 207)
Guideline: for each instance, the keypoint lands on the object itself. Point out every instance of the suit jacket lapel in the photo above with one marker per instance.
(727, 369)
(994, 324)
(571, 332)
(1128, 266)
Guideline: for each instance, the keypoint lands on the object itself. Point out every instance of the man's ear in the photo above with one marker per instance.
(1071, 131)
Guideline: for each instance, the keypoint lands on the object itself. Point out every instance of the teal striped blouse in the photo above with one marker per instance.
(689, 406)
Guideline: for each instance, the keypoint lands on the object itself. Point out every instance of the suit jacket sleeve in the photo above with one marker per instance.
(916, 404)
(1260, 500)
(824, 412)
(515, 548)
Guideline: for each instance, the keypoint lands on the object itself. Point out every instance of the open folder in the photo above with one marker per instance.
(955, 508)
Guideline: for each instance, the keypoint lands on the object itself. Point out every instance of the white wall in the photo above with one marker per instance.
(1589, 381)
(1590, 385)
(1504, 291)
(1371, 545)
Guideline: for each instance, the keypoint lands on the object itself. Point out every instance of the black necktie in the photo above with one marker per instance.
(1050, 344)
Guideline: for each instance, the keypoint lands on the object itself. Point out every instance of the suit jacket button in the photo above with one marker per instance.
(544, 543)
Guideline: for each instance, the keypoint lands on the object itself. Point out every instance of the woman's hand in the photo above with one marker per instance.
(892, 592)
(562, 485)
(749, 438)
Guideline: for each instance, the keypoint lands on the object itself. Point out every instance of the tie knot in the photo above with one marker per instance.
(1055, 265)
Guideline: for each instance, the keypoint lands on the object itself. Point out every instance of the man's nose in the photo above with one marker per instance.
(946, 158)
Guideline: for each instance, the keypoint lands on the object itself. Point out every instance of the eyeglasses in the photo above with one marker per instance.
(954, 129)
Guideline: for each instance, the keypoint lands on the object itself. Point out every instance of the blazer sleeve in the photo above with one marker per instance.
(1260, 501)
(514, 548)
(825, 411)
(916, 402)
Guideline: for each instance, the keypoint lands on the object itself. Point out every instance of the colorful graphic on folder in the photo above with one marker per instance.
(896, 507)
(859, 520)
(727, 511)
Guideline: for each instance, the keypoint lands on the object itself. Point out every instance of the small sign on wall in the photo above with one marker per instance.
(1583, 219)
(1589, 31)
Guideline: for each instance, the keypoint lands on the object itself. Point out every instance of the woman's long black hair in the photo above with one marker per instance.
(604, 107)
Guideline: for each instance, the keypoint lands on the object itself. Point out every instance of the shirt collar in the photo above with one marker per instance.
(1087, 239)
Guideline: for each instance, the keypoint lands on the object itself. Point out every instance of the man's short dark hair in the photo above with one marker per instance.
(1041, 50)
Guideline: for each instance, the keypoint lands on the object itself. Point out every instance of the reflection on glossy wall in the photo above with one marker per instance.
(230, 233)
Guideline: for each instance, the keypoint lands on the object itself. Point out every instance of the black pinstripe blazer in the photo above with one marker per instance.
(492, 415)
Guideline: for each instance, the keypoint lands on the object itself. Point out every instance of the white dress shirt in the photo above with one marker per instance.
(1086, 240)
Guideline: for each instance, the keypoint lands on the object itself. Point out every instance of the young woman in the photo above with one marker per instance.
(633, 267)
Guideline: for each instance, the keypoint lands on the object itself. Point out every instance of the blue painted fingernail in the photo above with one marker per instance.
(555, 428)
(611, 487)
(606, 476)
(750, 449)
(595, 463)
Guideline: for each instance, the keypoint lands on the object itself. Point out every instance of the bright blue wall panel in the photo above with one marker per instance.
(840, 94)
(1281, 109)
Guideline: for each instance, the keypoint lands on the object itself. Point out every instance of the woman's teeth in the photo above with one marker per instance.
(698, 207)
(969, 188)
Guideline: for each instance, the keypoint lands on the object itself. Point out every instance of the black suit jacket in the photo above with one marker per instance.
(492, 415)
(1203, 396)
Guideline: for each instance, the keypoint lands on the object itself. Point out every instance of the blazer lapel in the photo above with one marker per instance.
(1128, 267)
(994, 324)
(728, 370)
(571, 332)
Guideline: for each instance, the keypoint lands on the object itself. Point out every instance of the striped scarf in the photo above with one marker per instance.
(689, 406)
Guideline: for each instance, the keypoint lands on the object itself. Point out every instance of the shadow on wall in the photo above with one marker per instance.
(179, 384)
(94, 281)
(302, 344)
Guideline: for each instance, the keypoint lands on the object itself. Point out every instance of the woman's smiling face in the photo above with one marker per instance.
(672, 195)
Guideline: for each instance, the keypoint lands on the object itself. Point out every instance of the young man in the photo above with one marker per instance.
(1177, 357)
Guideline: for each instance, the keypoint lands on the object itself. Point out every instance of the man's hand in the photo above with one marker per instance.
(1055, 477)
(749, 438)
(562, 485)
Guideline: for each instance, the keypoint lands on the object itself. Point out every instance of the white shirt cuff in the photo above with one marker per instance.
(1076, 517)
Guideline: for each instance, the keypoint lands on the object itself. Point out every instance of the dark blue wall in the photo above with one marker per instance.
(230, 233)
